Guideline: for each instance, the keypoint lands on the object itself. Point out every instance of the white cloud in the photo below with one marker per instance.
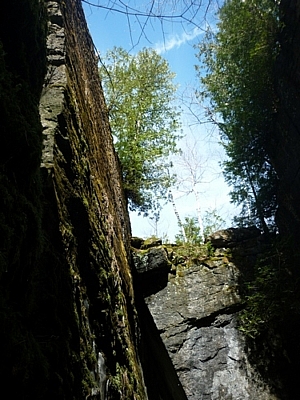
(175, 41)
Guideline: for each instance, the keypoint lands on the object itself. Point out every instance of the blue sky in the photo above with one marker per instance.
(175, 43)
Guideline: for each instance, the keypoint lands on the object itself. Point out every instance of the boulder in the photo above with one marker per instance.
(230, 237)
(196, 314)
(137, 242)
(152, 268)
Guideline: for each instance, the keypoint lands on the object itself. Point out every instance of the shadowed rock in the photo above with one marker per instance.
(231, 236)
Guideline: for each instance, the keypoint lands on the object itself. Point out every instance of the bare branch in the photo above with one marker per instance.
(176, 11)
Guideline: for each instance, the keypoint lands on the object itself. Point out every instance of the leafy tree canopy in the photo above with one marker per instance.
(140, 93)
(238, 88)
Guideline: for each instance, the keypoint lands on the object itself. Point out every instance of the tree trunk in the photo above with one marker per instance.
(171, 198)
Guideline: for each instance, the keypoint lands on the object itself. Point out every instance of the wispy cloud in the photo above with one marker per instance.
(175, 41)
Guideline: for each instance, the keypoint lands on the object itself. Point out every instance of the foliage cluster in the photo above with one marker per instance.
(211, 223)
(139, 93)
(238, 93)
(192, 232)
(186, 254)
(272, 295)
(191, 248)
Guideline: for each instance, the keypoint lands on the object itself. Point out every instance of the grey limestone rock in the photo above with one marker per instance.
(198, 293)
(196, 314)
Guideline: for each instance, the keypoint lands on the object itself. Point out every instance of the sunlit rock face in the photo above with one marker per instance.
(196, 314)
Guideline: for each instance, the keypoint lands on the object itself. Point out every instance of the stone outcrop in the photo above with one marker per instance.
(23, 345)
(196, 313)
(152, 269)
(232, 237)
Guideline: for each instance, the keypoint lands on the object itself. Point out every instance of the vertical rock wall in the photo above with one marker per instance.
(23, 364)
(85, 219)
(69, 324)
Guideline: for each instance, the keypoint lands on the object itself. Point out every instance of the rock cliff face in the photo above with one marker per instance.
(69, 323)
(196, 310)
(86, 210)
